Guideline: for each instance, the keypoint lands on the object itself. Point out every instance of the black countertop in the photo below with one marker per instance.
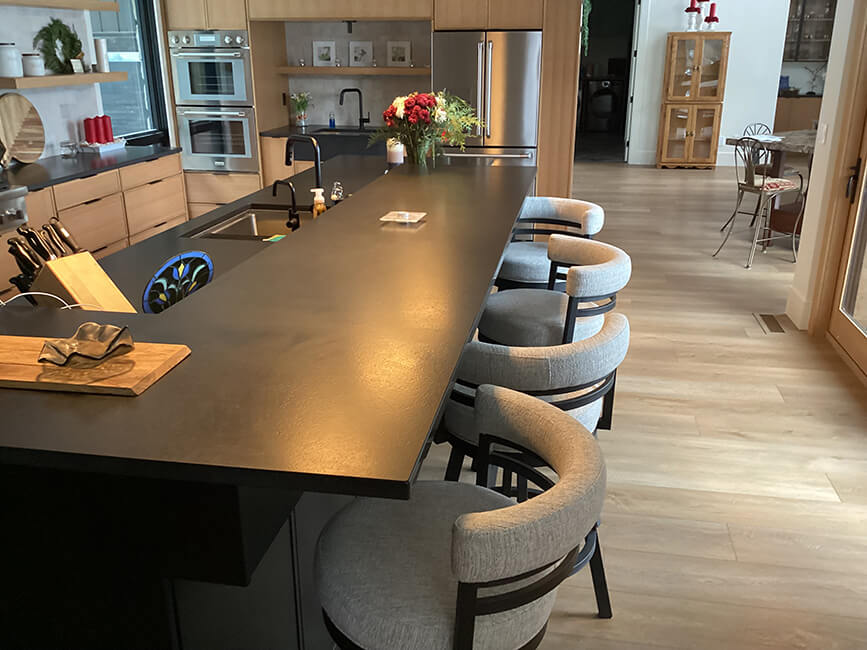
(320, 362)
(56, 169)
(331, 144)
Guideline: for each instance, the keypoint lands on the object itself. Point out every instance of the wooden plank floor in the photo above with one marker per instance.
(736, 514)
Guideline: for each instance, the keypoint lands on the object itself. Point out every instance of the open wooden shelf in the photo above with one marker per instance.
(313, 71)
(54, 80)
(91, 5)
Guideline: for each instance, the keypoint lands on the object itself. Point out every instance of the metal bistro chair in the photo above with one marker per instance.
(534, 317)
(759, 128)
(525, 263)
(752, 162)
(463, 566)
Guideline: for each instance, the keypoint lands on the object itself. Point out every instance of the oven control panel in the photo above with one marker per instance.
(210, 39)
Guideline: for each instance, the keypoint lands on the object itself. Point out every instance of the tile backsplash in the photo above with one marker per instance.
(63, 108)
(378, 91)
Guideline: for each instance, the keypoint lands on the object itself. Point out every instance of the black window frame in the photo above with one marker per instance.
(151, 61)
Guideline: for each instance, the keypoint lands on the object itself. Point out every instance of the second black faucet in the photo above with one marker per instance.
(361, 119)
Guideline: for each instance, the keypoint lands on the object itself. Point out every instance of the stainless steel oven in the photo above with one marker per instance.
(211, 68)
(216, 138)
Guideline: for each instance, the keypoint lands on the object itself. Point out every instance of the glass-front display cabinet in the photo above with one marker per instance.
(808, 37)
(697, 66)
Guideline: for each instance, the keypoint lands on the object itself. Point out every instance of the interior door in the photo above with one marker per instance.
(512, 77)
(627, 133)
(683, 59)
(459, 67)
(848, 324)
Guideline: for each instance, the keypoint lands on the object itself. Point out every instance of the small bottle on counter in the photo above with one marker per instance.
(318, 201)
(331, 121)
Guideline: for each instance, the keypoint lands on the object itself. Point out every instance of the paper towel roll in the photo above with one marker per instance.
(101, 47)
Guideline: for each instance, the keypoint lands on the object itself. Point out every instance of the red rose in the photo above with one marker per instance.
(410, 102)
(424, 114)
(413, 118)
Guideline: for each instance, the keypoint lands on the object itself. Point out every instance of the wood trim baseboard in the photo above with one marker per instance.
(849, 361)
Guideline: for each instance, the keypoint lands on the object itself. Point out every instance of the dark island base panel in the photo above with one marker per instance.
(151, 565)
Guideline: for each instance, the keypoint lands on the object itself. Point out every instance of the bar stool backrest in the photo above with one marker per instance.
(757, 128)
(752, 162)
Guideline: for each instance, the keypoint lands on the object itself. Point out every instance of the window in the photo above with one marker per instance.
(137, 105)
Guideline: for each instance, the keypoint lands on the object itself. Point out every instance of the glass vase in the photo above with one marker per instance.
(301, 118)
(417, 153)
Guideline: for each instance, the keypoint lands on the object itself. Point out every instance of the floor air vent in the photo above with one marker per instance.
(770, 323)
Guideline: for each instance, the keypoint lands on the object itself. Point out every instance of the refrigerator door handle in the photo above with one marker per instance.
(523, 156)
(480, 73)
(488, 90)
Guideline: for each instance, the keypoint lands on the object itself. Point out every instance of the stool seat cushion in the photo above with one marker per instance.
(772, 184)
(384, 573)
(526, 261)
(532, 317)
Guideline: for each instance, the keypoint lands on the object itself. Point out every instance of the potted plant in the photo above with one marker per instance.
(425, 122)
(300, 103)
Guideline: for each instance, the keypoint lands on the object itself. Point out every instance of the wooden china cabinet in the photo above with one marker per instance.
(692, 99)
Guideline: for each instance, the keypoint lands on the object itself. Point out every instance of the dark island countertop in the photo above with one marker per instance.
(331, 144)
(319, 363)
(56, 169)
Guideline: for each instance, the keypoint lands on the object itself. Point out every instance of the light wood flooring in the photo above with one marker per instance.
(736, 514)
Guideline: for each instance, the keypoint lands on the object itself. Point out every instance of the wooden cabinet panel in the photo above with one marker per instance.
(205, 187)
(150, 171)
(696, 66)
(86, 189)
(704, 134)
(339, 9)
(98, 223)
(186, 14)
(40, 207)
(105, 251)
(155, 203)
(515, 14)
(796, 113)
(675, 129)
(273, 152)
(460, 14)
(226, 14)
(157, 229)
(198, 209)
(302, 166)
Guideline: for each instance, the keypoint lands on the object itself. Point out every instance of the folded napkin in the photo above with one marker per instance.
(91, 345)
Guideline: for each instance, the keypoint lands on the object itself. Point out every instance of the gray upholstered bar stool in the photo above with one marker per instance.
(596, 272)
(462, 566)
(575, 377)
(525, 263)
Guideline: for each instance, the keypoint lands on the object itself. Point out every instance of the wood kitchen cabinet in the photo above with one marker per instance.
(689, 135)
(488, 14)
(274, 168)
(206, 14)
(693, 93)
(340, 10)
(796, 113)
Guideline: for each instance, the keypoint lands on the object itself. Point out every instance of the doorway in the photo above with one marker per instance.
(603, 92)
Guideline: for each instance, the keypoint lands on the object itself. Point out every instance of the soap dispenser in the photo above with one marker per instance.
(318, 201)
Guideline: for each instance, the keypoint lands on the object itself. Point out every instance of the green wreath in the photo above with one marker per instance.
(54, 34)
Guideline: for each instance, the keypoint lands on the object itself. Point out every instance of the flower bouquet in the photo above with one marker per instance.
(424, 122)
(300, 102)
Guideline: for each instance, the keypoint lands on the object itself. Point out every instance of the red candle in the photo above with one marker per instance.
(99, 135)
(713, 9)
(89, 130)
(109, 132)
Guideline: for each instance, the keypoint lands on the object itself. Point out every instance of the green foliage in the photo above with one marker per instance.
(300, 101)
(57, 35)
(586, 8)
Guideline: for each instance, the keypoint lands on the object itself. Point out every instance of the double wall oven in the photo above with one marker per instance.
(213, 89)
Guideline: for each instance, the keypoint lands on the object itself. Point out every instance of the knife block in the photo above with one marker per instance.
(79, 280)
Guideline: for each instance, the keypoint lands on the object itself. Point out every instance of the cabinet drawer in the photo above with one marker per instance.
(40, 207)
(155, 203)
(86, 189)
(150, 171)
(155, 230)
(219, 188)
(96, 224)
(198, 209)
(105, 251)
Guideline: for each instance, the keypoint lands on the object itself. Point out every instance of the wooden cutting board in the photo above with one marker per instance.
(130, 374)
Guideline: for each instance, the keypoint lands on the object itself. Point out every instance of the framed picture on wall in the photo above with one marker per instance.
(399, 54)
(360, 54)
(323, 54)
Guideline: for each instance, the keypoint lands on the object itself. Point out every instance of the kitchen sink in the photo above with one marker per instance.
(253, 222)
(347, 130)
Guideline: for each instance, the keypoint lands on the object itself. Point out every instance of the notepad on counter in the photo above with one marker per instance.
(402, 216)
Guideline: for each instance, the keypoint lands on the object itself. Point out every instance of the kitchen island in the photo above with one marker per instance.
(320, 364)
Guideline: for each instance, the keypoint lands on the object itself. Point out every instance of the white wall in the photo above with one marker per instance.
(378, 91)
(61, 109)
(758, 34)
(822, 182)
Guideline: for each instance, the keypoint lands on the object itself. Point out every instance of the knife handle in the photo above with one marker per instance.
(36, 243)
(22, 283)
(65, 235)
(51, 236)
(27, 260)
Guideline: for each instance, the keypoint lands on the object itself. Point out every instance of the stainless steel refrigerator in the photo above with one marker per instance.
(499, 74)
